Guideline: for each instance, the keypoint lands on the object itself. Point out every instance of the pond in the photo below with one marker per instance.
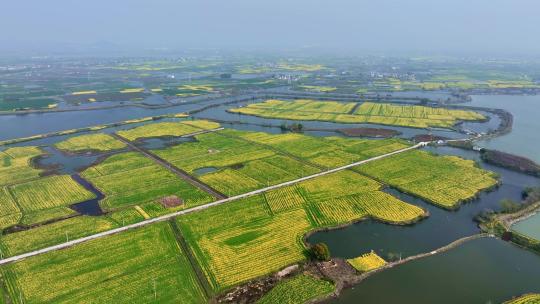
(529, 226)
(481, 271)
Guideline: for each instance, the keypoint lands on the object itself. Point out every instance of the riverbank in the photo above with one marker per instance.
(510, 161)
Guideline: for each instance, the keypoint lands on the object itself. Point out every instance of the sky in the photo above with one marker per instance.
(424, 26)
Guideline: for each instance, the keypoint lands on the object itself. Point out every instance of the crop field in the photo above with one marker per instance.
(367, 112)
(443, 180)
(129, 179)
(248, 238)
(132, 90)
(167, 129)
(286, 198)
(138, 266)
(242, 165)
(250, 160)
(54, 233)
(233, 243)
(257, 174)
(311, 88)
(328, 152)
(49, 192)
(212, 150)
(345, 196)
(367, 262)
(532, 298)
(97, 142)
(26, 197)
(299, 289)
(15, 165)
(9, 211)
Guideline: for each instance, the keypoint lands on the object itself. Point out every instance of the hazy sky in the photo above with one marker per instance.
(504, 26)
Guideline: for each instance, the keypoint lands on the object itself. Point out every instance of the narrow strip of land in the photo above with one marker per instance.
(198, 208)
(177, 171)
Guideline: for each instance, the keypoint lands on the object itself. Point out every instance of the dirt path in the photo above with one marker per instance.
(179, 172)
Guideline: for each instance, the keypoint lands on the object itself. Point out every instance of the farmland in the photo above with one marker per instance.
(367, 262)
(299, 289)
(326, 152)
(129, 179)
(139, 266)
(54, 233)
(442, 180)
(15, 165)
(49, 192)
(167, 129)
(10, 214)
(248, 238)
(90, 142)
(366, 112)
(251, 160)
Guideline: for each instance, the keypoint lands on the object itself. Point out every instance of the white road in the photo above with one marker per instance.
(198, 208)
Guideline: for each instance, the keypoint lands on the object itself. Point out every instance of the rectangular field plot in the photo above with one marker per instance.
(49, 192)
(167, 129)
(129, 179)
(302, 288)
(145, 265)
(367, 262)
(15, 165)
(9, 211)
(327, 152)
(97, 142)
(367, 112)
(443, 180)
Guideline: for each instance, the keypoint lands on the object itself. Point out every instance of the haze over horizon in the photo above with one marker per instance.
(424, 26)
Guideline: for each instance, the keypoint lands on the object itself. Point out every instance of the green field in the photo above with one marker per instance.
(298, 290)
(252, 237)
(442, 180)
(27, 198)
(326, 152)
(145, 265)
(40, 200)
(167, 129)
(10, 214)
(129, 179)
(247, 161)
(54, 233)
(15, 165)
(49, 192)
(367, 112)
(90, 142)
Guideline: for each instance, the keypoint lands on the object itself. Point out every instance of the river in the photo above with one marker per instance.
(524, 139)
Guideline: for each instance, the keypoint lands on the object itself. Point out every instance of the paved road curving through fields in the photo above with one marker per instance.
(199, 208)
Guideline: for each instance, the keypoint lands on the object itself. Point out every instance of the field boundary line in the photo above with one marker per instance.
(172, 168)
(199, 208)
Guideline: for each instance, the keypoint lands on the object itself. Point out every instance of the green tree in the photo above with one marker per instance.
(320, 252)
(507, 206)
